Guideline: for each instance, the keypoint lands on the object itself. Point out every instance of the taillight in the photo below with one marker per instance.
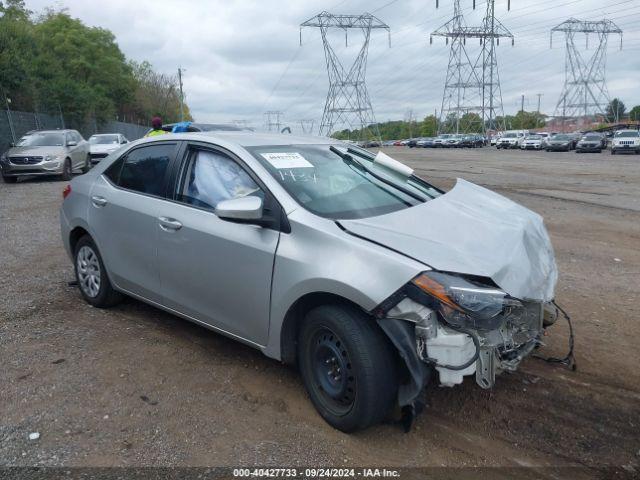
(66, 191)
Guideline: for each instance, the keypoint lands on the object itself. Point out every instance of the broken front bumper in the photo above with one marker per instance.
(459, 352)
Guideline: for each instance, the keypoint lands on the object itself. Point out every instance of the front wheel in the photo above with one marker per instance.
(66, 171)
(87, 164)
(91, 275)
(348, 367)
(613, 152)
(9, 179)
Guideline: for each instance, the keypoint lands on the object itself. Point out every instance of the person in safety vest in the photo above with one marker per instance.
(156, 125)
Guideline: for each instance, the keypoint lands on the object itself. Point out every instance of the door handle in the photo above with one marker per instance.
(99, 201)
(169, 224)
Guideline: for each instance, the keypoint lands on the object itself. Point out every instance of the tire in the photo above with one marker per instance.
(66, 170)
(9, 179)
(87, 265)
(87, 164)
(613, 152)
(349, 341)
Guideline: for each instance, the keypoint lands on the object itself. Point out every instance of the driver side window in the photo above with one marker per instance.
(211, 177)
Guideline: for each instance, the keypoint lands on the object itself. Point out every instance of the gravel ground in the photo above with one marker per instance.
(134, 386)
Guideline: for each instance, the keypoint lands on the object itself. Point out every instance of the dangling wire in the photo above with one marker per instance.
(569, 360)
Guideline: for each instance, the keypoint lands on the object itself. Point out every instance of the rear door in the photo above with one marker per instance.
(216, 271)
(123, 214)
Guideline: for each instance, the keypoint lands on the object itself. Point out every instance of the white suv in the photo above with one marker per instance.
(626, 141)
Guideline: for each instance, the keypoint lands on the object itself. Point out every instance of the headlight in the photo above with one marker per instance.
(464, 303)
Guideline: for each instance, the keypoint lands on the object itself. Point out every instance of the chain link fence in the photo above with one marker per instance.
(14, 124)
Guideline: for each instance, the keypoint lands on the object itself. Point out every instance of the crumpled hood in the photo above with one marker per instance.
(474, 231)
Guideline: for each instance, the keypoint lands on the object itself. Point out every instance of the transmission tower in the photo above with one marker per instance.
(272, 121)
(462, 99)
(307, 126)
(585, 91)
(348, 101)
(473, 89)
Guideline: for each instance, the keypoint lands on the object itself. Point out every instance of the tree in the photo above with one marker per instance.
(156, 94)
(615, 110)
(634, 113)
(54, 63)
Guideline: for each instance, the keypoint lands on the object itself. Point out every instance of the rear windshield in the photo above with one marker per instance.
(325, 183)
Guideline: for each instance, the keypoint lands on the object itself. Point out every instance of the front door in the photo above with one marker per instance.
(215, 271)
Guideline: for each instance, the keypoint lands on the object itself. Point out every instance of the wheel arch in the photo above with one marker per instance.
(295, 314)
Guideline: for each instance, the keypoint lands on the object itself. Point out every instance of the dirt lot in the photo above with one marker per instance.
(137, 386)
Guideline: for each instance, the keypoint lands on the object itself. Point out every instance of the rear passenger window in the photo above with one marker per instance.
(144, 169)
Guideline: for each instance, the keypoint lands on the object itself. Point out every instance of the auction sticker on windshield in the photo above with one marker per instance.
(286, 160)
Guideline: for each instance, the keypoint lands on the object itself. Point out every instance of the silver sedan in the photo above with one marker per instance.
(46, 152)
(320, 254)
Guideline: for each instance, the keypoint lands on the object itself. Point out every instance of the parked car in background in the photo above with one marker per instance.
(510, 139)
(46, 152)
(591, 142)
(308, 250)
(532, 142)
(494, 139)
(454, 141)
(101, 145)
(413, 142)
(560, 142)
(625, 141)
(441, 139)
(425, 142)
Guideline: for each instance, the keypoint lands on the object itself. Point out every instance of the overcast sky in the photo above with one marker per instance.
(243, 57)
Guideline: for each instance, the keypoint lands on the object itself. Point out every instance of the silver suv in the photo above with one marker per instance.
(46, 152)
(320, 254)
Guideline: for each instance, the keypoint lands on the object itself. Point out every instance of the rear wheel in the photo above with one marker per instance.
(9, 179)
(91, 275)
(348, 367)
(613, 152)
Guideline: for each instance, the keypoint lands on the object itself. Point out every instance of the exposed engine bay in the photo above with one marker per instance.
(461, 326)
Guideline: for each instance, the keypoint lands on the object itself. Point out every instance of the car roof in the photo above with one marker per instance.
(52, 131)
(103, 134)
(246, 138)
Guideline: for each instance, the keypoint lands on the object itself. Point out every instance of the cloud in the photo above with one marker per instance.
(243, 57)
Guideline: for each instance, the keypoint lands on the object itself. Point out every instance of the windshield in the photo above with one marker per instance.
(534, 137)
(561, 137)
(510, 135)
(43, 140)
(591, 138)
(626, 134)
(332, 187)
(104, 140)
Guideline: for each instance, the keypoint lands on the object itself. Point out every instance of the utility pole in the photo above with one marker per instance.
(585, 90)
(348, 101)
(539, 97)
(181, 95)
(7, 101)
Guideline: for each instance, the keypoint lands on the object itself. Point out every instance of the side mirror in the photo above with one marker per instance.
(72, 143)
(242, 209)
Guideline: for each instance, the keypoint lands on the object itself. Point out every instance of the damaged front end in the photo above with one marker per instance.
(462, 325)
